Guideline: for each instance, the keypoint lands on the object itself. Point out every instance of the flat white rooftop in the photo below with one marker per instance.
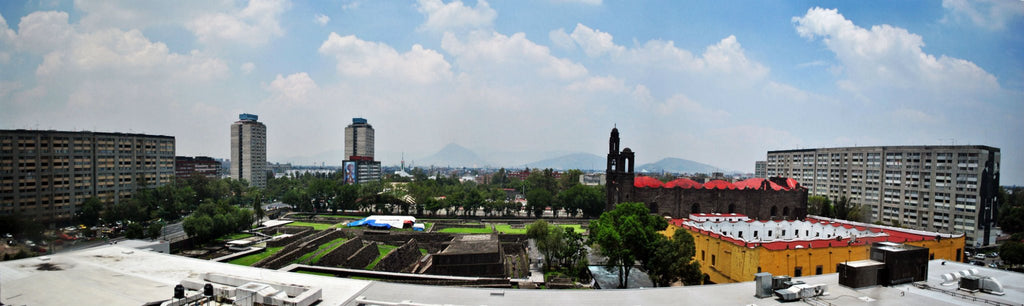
(116, 275)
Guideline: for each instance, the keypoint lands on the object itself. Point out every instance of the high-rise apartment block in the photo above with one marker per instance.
(359, 165)
(949, 189)
(249, 150)
(359, 139)
(46, 175)
(761, 169)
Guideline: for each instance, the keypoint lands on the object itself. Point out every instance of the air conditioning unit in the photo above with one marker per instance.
(779, 282)
(971, 283)
(801, 291)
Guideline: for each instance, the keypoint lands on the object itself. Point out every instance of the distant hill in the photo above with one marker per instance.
(453, 155)
(678, 165)
(582, 161)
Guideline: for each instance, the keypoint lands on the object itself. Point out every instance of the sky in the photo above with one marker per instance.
(718, 82)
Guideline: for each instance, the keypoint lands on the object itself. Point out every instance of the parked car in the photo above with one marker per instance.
(978, 263)
(993, 255)
(993, 265)
(979, 256)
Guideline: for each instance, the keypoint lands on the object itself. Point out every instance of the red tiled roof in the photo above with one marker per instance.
(646, 181)
(758, 183)
(684, 183)
(719, 184)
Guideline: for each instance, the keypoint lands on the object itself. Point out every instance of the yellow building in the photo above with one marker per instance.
(732, 251)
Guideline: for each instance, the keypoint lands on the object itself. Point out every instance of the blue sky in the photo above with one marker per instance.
(720, 82)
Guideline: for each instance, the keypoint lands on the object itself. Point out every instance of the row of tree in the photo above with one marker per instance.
(422, 195)
(842, 209)
(563, 248)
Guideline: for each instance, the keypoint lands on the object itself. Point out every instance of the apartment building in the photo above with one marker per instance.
(46, 175)
(249, 150)
(949, 189)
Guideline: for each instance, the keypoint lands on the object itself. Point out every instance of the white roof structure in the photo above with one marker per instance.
(116, 275)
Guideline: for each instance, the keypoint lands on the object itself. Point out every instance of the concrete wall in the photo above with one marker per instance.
(338, 256)
(400, 258)
(297, 234)
(363, 257)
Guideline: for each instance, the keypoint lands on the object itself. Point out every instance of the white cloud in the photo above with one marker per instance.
(454, 15)
(497, 53)
(247, 67)
(990, 14)
(595, 43)
(597, 84)
(360, 58)
(7, 87)
(253, 25)
(295, 89)
(561, 39)
(350, 5)
(883, 59)
(43, 31)
(321, 19)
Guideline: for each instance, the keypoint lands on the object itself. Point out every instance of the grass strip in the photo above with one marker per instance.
(249, 260)
(384, 249)
(326, 248)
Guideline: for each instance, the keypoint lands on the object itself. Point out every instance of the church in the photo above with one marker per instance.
(776, 198)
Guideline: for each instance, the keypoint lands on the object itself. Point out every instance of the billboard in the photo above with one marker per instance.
(350, 172)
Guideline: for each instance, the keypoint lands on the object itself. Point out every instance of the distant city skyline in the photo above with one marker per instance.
(718, 82)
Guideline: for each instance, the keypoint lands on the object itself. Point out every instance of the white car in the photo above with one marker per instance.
(979, 256)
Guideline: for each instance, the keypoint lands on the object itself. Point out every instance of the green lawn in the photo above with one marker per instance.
(316, 273)
(315, 226)
(423, 251)
(466, 230)
(507, 229)
(235, 236)
(326, 248)
(250, 259)
(384, 249)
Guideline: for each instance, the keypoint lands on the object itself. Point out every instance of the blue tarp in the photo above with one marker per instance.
(378, 225)
(369, 223)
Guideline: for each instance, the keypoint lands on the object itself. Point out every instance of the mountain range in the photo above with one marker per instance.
(454, 155)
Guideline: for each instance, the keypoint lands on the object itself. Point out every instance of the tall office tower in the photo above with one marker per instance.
(359, 165)
(249, 150)
(949, 189)
(46, 175)
(359, 139)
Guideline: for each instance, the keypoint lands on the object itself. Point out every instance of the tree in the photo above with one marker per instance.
(569, 179)
(91, 209)
(134, 231)
(846, 210)
(538, 199)
(257, 207)
(549, 240)
(1012, 250)
(820, 206)
(1011, 210)
(627, 234)
(581, 198)
(154, 230)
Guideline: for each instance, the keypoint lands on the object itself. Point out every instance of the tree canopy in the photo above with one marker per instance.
(627, 234)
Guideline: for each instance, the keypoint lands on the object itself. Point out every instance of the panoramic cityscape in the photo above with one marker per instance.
(279, 152)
